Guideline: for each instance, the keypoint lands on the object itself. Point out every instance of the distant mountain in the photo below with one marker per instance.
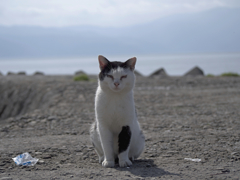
(216, 30)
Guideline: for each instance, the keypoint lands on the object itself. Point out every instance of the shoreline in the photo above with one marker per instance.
(176, 64)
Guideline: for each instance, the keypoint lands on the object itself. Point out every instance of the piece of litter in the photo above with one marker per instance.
(194, 160)
(25, 159)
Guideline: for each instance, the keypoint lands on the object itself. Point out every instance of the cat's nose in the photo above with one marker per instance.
(116, 84)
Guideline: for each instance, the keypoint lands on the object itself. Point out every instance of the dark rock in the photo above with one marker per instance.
(10, 73)
(160, 72)
(225, 170)
(196, 71)
(21, 73)
(47, 156)
(38, 73)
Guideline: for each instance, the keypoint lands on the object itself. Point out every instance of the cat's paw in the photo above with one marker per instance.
(125, 163)
(108, 164)
(101, 159)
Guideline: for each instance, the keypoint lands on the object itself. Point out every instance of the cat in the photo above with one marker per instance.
(116, 133)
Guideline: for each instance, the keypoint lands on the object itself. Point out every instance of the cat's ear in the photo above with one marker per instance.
(131, 63)
(102, 61)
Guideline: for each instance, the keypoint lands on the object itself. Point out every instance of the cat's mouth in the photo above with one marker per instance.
(116, 89)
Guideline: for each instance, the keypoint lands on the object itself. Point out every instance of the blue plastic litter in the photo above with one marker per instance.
(25, 159)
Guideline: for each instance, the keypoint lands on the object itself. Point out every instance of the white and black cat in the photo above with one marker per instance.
(116, 133)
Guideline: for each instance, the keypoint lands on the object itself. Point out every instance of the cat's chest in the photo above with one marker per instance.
(116, 108)
(119, 107)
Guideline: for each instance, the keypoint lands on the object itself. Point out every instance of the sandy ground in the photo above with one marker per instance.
(182, 117)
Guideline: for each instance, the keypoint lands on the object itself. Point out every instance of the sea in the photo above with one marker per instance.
(174, 65)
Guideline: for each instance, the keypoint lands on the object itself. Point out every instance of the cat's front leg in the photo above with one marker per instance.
(124, 160)
(124, 140)
(107, 143)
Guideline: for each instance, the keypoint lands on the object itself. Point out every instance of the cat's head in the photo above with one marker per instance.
(116, 76)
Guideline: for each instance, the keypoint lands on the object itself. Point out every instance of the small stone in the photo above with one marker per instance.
(234, 153)
(32, 123)
(2, 164)
(47, 156)
(219, 168)
(153, 155)
(50, 118)
(225, 170)
(85, 157)
(41, 161)
(38, 152)
(2, 169)
(43, 120)
(148, 165)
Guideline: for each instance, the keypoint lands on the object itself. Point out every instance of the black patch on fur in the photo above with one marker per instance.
(111, 65)
(124, 138)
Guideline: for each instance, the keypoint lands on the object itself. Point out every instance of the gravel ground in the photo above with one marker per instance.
(182, 117)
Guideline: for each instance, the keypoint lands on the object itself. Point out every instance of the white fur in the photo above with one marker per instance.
(115, 108)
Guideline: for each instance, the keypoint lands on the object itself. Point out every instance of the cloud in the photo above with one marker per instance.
(57, 13)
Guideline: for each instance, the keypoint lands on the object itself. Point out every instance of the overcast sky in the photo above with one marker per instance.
(111, 13)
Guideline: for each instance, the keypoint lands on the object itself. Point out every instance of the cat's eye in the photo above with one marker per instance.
(123, 77)
(110, 76)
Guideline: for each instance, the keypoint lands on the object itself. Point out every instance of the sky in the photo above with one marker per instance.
(104, 13)
(36, 29)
